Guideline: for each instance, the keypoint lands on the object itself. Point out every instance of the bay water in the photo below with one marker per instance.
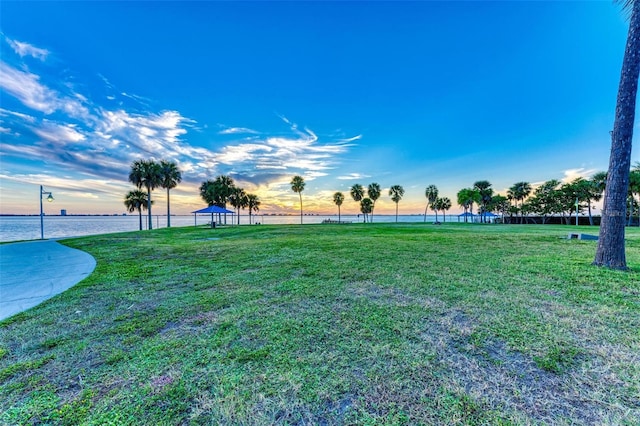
(19, 228)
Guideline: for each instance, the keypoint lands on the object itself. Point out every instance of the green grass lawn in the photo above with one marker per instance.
(332, 324)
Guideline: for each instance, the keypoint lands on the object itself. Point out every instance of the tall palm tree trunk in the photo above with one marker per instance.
(611, 247)
(338, 214)
(140, 216)
(300, 194)
(149, 206)
(396, 212)
(168, 211)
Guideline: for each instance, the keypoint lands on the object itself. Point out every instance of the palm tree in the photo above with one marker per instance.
(599, 182)
(436, 206)
(519, 191)
(462, 202)
(634, 188)
(500, 204)
(582, 191)
(444, 204)
(244, 203)
(396, 192)
(374, 192)
(170, 178)
(366, 206)
(136, 200)
(484, 188)
(208, 192)
(545, 200)
(297, 185)
(338, 199)
(238, 200)
(466, 198)
(431, 192)
(611, 246)
(357, 193)
(587, 191)
(146, 173)
(224, 188)
(253, 203)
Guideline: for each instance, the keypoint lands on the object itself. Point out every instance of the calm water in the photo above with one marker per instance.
(15, 228)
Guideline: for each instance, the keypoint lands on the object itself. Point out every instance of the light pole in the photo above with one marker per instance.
(49, 199)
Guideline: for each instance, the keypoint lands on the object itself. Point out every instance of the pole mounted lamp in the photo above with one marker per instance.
(49, 199)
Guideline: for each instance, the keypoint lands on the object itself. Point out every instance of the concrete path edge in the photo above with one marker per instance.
(34, 271)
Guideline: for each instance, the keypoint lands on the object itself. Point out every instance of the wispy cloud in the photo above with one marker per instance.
(355, 138)
(573, 174)
(237, 131)
(91, 139)
(298, 152)
(140, 99)
(26, 87)
(242, 153)
(283, 118)
(24, 117)
(26, 49)
(353, 176)
(71, 185)
(57, 133)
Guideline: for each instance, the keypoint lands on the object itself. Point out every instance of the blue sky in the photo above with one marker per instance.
(408, 93)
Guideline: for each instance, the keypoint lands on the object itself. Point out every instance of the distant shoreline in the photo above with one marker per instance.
(190, 214)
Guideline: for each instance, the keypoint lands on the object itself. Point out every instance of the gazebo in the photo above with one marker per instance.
(490, 216)
(212, 210)
(466, 215)
(473, 217)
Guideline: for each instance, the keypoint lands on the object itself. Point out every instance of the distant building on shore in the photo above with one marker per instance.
(63, 212)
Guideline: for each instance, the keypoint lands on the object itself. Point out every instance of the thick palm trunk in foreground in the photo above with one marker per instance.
(611, 247)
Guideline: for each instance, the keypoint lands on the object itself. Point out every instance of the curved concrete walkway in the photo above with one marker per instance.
(34, 271)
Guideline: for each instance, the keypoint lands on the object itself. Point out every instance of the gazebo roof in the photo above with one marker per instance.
(213, 209)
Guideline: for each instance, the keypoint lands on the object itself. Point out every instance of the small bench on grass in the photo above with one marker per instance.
(573, 236)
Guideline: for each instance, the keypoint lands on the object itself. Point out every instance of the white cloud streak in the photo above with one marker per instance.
(54, 132)
(26, 87)
(26, 49)
(72, 185)
(238, 130)
(23, 117)
(355, 138)
(573, 174)
(353, 176)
